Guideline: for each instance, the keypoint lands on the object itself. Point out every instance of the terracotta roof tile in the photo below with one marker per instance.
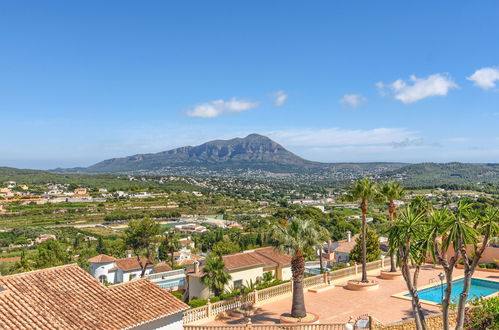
(127, 264)
(101, 258)
(346, 247)
(67, 297)
(162, 267)
(267, 256)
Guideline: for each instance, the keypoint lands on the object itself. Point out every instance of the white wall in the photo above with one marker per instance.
(98, 269)
(286, 273)
(172, 322)
(245, 275)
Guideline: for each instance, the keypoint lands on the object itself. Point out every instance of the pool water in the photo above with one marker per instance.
(315, 271)
(167, 284)
(479, 288)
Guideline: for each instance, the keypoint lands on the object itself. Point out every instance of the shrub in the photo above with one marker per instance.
(214, 299)
(194, 303)
(178, 295)
(482, 314)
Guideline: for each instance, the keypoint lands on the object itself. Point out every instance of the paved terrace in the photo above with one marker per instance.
(338, 304)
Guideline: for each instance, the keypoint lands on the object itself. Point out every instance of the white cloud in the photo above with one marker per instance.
(352, 100)
(279, 98)
(221, 107)
(335, 137)
(418, 88)
(485, 78)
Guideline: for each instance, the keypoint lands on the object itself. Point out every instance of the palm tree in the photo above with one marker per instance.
(215, 276)
(440, 224)
(409, 237)
(169, 245)
(392, 191)
(364, 190)
(478, 232)
(295, 237)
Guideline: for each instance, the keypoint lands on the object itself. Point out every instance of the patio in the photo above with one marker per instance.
(338, 304)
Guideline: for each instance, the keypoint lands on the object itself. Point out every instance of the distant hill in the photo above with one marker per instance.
(430, 174)
(252, 156)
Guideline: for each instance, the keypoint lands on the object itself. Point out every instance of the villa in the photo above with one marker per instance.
(111, 270)
(67, 297)
(244, 267)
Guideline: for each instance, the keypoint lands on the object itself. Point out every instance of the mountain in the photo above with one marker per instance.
(254, 155)
(258, 157)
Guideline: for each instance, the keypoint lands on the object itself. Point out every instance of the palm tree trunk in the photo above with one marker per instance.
(416, 304)
(393, 267)
(462, 301)
(391, 212)
(446, 301)
(298, 268)
(320, 260)
(364, 238)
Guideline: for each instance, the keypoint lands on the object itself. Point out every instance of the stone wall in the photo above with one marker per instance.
(433, 323)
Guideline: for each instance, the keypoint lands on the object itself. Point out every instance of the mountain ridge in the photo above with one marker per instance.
(253, 152)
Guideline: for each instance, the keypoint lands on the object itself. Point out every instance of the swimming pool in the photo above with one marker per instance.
(479, 288)
(315, 271)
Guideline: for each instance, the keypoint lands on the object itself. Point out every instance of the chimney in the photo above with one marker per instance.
(128, 253)
(349, 236)
(196, 267)
(330, 246)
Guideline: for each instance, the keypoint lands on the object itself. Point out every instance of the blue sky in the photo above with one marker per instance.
(331, 81)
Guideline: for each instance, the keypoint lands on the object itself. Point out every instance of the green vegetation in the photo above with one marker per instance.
(372, 248)
(215, 276)
(483, 314)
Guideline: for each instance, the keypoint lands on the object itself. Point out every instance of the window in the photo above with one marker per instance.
(238, 283)
(132, 276)
(103, 278)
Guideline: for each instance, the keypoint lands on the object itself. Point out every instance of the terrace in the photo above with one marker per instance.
(333, 304)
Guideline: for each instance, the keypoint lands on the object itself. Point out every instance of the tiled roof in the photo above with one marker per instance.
(274, 256)
(162, 267)
(241, 260)
(102, 258)
(346, 247)
(127, 264)
(189, 261)
(67, 297)
(267, 256)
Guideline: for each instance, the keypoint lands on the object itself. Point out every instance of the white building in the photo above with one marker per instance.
(111, 270)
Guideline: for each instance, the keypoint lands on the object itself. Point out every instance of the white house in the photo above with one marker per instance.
(67, 297)
(244, 267)
(111, 270)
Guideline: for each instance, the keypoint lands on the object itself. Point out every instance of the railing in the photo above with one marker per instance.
(211, 310)
(196, 314)
(373, 265)
(325, 326)
(314, 280)
(165, 275)
(274, 291)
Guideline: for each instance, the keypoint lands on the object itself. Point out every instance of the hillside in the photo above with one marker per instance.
(254, 156)
(430, 174)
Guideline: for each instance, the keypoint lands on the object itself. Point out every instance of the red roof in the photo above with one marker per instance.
(267, 256)
(67, 297)
(101, 258)
(127, 264)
